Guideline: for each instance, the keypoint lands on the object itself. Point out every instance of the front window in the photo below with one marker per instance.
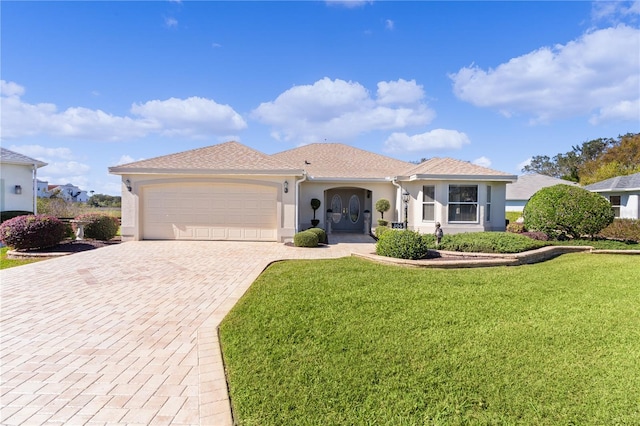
(463, 203)
(429, 203)
(615, 204)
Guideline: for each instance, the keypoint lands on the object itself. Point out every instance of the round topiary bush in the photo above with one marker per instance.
(561, 210)
(403, 244)
(32, 232)
(322, 236)
(305, 239)
(99, 226)
(381, 230)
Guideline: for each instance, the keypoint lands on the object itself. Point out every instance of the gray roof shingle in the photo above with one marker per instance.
(618, 183)
(529, 184)
(445, 167)
(12, 157)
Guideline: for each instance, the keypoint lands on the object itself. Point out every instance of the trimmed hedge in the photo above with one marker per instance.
(403, 244)
(322, 236)
(305, 239)
(100, 226)
(32, 232)
(489, 242)
(564, 210)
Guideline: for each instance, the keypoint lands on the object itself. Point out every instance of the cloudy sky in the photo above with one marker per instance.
(88, 85)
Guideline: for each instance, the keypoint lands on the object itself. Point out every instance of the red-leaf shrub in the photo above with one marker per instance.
(622, 229)
(32, 232)
(540, 236)
(99, 226)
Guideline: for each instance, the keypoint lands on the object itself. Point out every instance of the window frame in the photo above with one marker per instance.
(487, 213)
(616, 206)
(460, 204)
(426, 203)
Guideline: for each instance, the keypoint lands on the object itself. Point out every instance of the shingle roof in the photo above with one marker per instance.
(224, 157)
(529, 184)
(8, 156)
(447, 167)
(336, 160)
(618, 183)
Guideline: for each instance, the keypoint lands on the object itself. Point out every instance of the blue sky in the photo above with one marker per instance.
(88, 85)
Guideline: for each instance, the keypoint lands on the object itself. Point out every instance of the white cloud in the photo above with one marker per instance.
(41, 153)
(191, 117)
(350, 4)
(623, 110)
(389, 24)
(339, 110)
(614, 11)
(63, 166)
(126, 159)
(522, 165)
(596, 74)
(171, 22)
(482, 161)
(433, 140)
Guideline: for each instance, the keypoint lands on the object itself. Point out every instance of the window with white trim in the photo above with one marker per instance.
(463, 203)
(616, 202)
(428, 203)
(488, 209)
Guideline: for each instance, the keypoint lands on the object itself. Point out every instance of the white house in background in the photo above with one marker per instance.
(232, 192)
(67, 192)
(18, 176)
(623, 192)
(519, 192)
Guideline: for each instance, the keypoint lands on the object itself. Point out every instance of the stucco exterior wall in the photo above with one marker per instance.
(12, 175)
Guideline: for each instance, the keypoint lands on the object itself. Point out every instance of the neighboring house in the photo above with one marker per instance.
(518, 193)
(18, 176)
(623, 192)
(230, 191)
(67, 192)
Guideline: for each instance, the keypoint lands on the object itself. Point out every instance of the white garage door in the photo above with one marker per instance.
(209, 212)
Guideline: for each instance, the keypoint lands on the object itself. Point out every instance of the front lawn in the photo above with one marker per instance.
(10, 263)
(350, 342)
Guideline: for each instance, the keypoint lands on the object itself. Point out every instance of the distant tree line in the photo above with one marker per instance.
(102, 200)
(593, 161)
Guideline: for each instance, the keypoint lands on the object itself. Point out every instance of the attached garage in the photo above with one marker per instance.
(209, 211)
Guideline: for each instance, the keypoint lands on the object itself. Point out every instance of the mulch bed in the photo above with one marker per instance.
(72, 246)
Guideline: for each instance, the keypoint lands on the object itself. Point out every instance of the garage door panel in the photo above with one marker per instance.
(209, 212)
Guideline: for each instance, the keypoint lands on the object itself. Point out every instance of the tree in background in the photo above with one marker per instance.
(102, 200)
(592, 161)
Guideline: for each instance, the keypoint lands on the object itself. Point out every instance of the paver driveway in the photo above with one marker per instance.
(126, 334)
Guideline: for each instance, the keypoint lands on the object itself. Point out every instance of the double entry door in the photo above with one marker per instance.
(347, 205)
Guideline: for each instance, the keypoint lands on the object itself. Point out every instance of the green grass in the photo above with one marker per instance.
(512, 216)
(600, 244)
(10, 263)
(349, 342)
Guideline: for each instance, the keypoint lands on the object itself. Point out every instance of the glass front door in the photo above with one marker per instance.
(346, 205)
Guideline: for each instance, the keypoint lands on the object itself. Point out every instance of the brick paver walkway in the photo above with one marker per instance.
(126, 334)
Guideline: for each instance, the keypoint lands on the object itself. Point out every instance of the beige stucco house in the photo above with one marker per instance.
(230, 191)
(18, 177)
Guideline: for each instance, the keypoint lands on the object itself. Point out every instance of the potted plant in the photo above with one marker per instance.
(315, 205)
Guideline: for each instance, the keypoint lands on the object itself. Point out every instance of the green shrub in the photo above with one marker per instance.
(540, 236)
(100, 226)
(516, 228)
(403, 244)
(622, 229)
(567, 210)
(489, 242)
(32, 232)
(305, 239)
(383, 222)
(10, 214)
(382, 206)
(381, 230)
(322, 236)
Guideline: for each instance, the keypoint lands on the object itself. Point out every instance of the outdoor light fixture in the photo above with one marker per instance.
(286, 186)
(128, 184)
(18, 189)
(405, 199)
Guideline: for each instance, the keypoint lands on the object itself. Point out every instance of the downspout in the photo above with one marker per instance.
(297, 197)
(397, 185)
(35, 189)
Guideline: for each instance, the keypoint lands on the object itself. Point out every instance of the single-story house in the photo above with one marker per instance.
(519, 192)
(623, 192)
(18, 176)
(230, 191)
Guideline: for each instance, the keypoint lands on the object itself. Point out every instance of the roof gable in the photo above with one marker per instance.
(336, 160)
(529, 184)
(12, 157)
(449, 167)
(618, 183)
(225, 157)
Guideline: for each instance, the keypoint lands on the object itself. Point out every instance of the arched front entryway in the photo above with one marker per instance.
(348, 207)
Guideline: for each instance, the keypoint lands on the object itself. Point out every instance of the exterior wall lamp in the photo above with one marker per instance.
(286, 186)
(405, 199)
(128, 184)
(18, 189)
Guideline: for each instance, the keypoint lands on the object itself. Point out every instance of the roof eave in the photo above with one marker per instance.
(614, 189)
(345, 179)
(493, 178)
(154, 171)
